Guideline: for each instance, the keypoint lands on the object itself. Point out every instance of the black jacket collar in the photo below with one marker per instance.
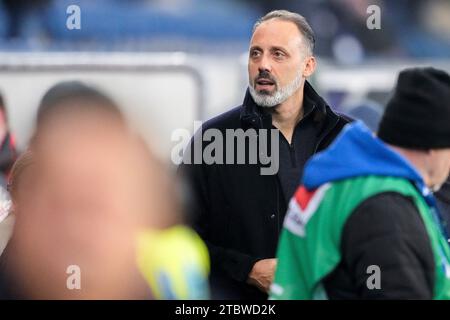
(444, 193)
(253, 116)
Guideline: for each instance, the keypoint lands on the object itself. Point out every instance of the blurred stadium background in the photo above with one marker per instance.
(170, 62)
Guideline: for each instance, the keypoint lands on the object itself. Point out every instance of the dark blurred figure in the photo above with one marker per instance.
(8, 151)
(18, 11)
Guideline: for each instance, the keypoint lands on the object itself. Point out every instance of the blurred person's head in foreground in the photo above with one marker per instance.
(280, 57)
(416, 122)
(99, 185)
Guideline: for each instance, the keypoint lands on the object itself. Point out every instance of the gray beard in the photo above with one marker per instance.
(278, 97)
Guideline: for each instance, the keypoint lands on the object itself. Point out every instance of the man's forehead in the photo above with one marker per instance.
(276, 32)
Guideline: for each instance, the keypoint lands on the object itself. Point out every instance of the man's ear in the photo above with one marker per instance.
(310, 66)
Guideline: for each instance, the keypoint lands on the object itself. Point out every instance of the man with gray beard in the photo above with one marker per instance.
(237, 210)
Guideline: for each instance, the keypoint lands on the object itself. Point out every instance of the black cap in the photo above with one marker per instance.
(418, 114)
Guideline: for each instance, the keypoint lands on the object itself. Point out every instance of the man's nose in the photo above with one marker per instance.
(264, 64)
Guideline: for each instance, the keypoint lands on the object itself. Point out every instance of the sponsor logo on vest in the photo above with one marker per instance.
(302, 207)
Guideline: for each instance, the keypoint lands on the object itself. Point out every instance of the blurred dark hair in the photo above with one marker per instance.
(74, 94)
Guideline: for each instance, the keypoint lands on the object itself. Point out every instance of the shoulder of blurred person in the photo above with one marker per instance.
(6, 231)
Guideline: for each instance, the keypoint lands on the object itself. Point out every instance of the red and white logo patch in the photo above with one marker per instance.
(302, 206)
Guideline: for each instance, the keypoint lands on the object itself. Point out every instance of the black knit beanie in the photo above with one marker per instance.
(418, 114)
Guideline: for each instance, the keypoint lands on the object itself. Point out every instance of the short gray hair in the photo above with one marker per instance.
(300, 21)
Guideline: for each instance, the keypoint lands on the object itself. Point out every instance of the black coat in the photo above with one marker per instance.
(443, 201)
(236, 210)
(385, 230)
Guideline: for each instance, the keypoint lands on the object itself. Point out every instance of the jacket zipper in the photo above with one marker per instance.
(325, 134)
(292, 154)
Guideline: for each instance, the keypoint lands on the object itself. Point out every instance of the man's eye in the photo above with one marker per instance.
(255, 53)
(279, 54)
